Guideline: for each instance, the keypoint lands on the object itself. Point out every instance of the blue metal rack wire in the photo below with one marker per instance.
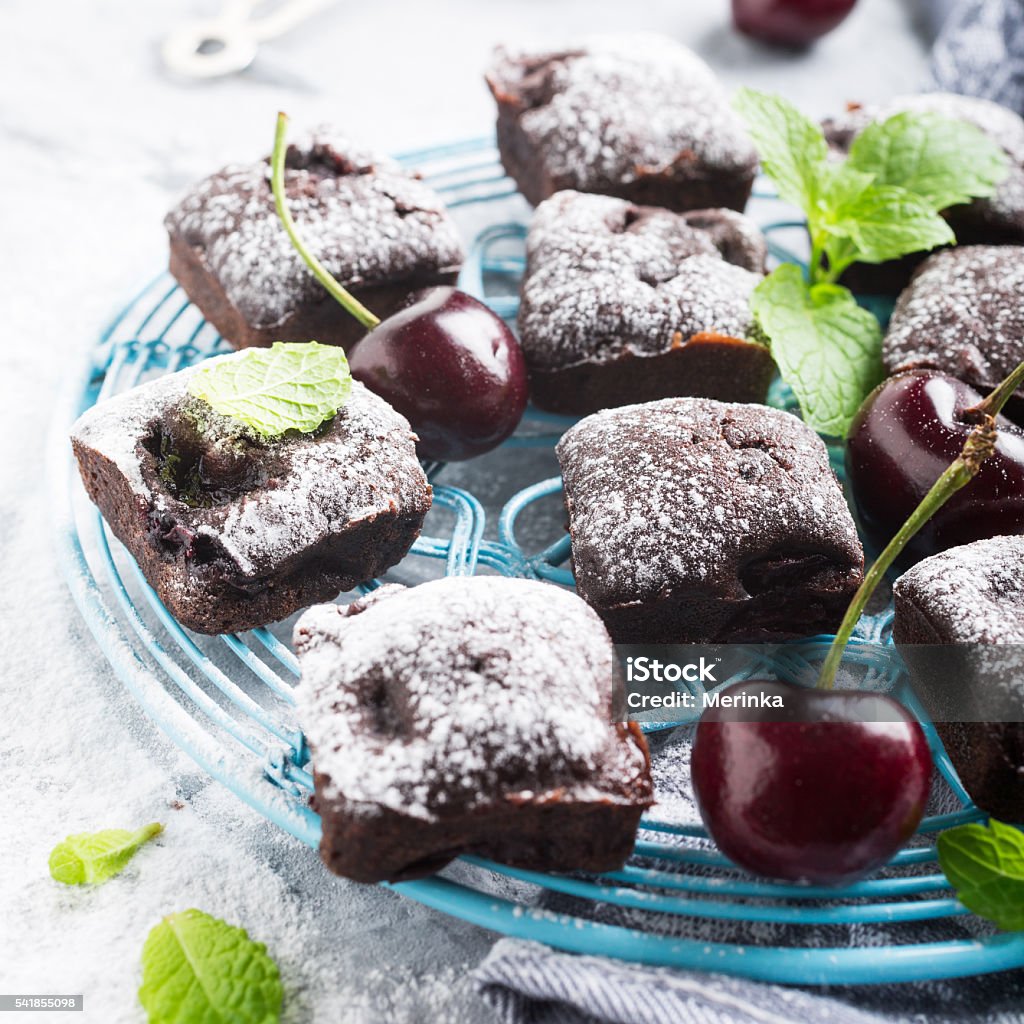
(228, 701)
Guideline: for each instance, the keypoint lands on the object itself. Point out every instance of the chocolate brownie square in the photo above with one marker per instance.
(970, 599)
(379, 230)
(234, 530)
(624, 303)
(963, 314)
(467, 715)
(995, 221)
(634, 115)
(700, 521)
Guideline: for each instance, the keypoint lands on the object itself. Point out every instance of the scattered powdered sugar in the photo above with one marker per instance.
(617, 105)
(963, 314)
(644, 484)
(361, 465)
(605, 277)
(999, 123)
(368, 222)
(460, 691)
(972, 594)
(670, 773)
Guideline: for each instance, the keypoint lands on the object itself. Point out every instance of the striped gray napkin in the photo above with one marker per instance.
(979, 49)
(530, 984)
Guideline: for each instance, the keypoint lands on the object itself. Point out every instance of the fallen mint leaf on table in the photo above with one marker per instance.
(197, 969)
(827, 348)
(288, 386)
(944, 162)
(986, 867)
(96, 856)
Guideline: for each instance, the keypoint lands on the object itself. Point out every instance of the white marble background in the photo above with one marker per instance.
(95, 142)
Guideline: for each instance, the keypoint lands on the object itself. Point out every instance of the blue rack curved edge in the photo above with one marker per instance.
(270, 774)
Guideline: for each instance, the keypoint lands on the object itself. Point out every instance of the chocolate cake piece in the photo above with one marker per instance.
(971, 599)
(233, 530)
(995, 221)
(624, 303)
(963, 314)
(379, 230)
(467, 715)
(700, 521)
(633, 115)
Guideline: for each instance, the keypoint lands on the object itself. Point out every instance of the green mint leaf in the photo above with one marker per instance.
(96, 856)
(986, 867)
(827, 348)
(197, 969)
(943, 161)
(792, 147)
(842, 187)
(277, 389)
(884, 222)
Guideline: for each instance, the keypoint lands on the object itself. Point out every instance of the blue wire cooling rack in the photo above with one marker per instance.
(228, 701)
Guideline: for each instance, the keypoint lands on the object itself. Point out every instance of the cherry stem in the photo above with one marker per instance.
(993, 404)
(980, 444)
(347, 301)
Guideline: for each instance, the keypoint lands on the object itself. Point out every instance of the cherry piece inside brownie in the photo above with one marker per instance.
(234, 530)
(998, 220)
(635, 115)
(970, 600)
(963, 314)
(376, 228)
(624, 304)
(700, 521)
(467, 715)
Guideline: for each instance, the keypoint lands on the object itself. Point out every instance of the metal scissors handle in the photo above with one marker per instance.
(211, 47)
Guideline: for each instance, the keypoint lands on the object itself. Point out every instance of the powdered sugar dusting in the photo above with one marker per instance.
(682, 492)
(604, 276)
(963, 314)
(363, 464)
(1002, 125)
(616, 105)
(460, 691)
(972, 594)
(368, 222)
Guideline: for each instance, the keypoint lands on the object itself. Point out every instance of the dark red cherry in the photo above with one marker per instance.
(822, 790)
(451, 367)
(909, 429)
(789, 22)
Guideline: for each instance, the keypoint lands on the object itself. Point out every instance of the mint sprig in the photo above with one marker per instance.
(831, 355)
(289, 386)
(879, 204)
(197, 968)
(986, 867)
(92, 857)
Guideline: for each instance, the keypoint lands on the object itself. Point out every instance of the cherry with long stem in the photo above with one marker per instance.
(979, 446)
(444, 360)
(816, 792)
